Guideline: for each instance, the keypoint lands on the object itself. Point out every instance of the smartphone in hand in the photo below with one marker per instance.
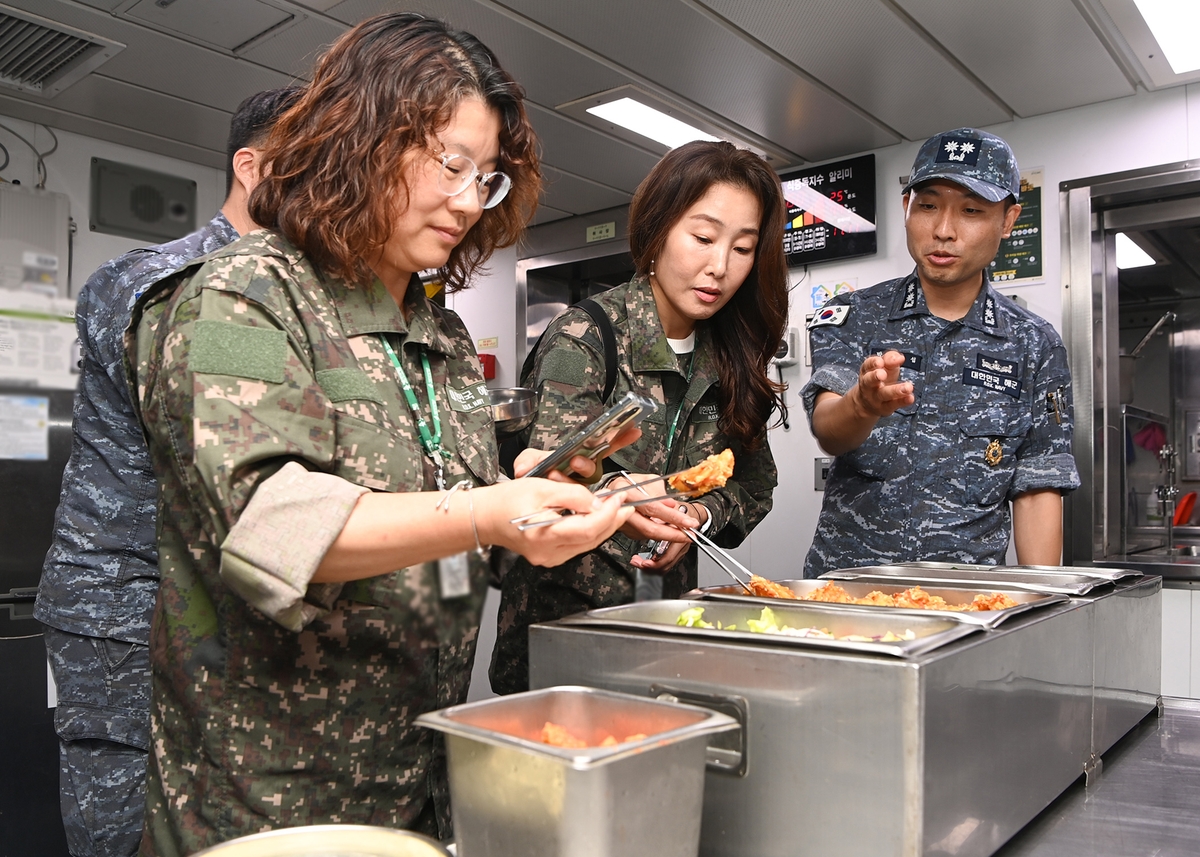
(594, 439)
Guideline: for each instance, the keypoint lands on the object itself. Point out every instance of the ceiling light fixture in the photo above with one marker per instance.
(654, 123)
(645, 120)
(1130, 255)
(1176, 26)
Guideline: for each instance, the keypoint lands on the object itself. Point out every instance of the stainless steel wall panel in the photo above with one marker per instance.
(687, 52)
(1037, 56)
(876, 60)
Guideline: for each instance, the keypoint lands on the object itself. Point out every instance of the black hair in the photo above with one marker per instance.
(253, 120)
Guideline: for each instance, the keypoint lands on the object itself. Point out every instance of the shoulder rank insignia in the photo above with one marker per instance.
(830, 315)
(993, 453)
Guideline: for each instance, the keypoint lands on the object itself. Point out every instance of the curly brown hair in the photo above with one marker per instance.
(746, 332)
(377, 98)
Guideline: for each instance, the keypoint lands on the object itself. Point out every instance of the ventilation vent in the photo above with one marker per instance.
(138, 203)
(43, 57)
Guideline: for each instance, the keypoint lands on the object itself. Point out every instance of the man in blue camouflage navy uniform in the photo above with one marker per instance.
(943, 401)
(100, 578)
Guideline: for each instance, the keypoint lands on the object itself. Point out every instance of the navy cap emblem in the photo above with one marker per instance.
(963, 150)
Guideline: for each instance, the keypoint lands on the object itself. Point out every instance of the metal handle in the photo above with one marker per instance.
(728, 753)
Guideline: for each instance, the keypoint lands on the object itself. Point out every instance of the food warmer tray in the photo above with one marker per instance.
(1064, 583)
(1113, 574)
(1025, 599)
(661, 617)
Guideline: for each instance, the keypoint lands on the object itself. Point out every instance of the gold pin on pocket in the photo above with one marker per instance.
(993, 453)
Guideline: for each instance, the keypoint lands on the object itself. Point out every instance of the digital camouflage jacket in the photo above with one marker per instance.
(933, 481)
(271, 406)
(568, 372)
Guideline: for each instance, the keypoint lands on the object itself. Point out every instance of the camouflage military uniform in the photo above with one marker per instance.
(569, 373)
(97, 590)
(271, 407)
(921, 487)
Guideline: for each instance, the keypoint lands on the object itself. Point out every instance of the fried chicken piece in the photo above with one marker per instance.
(769, 588)
(877, 599)
(831, 593)
(710, 473)
(558, 736)
(992, 601)
(916, 598)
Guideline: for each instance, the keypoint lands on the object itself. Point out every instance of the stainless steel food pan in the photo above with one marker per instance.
(1113, 574)
(329, 840)
(1064, 583)
(662, 617)
(514, 796)
(859, 589)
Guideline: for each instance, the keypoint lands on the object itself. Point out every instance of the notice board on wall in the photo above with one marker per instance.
(1019, 259)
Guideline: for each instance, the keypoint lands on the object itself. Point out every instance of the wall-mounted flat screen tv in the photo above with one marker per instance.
(830, 211)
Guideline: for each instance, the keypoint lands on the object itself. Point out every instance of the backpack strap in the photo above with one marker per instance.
(607, 336)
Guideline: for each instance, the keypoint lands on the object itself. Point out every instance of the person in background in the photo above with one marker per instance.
(942, 400)
(695, 331)
(100, 577)
(326, 454)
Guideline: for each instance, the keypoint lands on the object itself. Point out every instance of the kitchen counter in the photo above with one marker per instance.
(1146, 801)
(1175, 569)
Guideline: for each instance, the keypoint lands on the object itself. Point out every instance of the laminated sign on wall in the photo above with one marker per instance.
(38, 347)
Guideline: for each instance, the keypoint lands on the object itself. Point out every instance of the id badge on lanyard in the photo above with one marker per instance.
(454, 576)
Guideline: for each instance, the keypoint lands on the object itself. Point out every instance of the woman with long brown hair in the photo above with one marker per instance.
(695, 331)
(326, 456)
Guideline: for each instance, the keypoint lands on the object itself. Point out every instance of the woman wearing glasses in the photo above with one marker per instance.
(317, 427)
(694, 331)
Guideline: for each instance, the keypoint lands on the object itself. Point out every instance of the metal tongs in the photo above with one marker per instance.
(527, 522)
(716, 553)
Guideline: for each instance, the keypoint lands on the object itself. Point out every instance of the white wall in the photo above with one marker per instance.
(489, 310)
(68, 171)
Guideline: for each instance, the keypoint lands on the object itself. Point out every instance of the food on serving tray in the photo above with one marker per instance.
(710, 473)
(914, 598)
(559, 736)
(769, 588)
(768, 623)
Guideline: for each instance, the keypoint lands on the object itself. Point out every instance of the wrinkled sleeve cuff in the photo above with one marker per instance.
(831, 377)
(1045, 471)
(272, 552)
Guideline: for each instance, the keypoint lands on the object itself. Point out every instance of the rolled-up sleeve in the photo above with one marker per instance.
(274, 549)
(1045, 460)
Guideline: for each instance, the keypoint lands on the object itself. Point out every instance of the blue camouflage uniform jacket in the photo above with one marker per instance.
(101, 573)
(992, 419)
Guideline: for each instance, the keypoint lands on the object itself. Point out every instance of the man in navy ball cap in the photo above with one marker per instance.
(947, 406)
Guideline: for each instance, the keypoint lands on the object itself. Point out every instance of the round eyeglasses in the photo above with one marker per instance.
(459, 171)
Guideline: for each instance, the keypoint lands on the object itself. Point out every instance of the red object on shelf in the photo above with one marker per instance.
(1183, 512)
(489, 366)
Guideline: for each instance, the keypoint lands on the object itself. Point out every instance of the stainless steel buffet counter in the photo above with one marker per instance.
(950, 750)
(1144, 804)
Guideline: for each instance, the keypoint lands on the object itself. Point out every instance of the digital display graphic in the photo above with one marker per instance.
(830, 211)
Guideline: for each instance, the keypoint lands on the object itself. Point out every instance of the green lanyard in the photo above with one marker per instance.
(671, 436)
(430, 442)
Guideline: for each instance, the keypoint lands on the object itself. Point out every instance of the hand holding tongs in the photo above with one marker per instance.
(717, 554)
(527, 522)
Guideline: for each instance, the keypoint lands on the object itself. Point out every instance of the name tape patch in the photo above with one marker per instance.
(468, 398)
(992, 381)
(914, 362)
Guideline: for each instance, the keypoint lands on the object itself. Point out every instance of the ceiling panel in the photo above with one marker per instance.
(578, 195)
(162, 63)
(144, 110)
(1048, 58)
(296, 49)
(546, 214)
(106, 5)
(552, 73)
(688, 52)
(576, 149)
(872, 57)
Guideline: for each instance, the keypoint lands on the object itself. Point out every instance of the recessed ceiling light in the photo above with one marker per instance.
(1130, 255)
(645, 120)
(1176, 26)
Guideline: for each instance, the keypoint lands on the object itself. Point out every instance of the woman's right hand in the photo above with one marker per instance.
(551, 545)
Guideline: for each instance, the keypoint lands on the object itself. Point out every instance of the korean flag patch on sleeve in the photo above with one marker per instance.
(836, 315)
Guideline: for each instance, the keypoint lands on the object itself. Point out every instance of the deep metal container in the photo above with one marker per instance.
(948, 751)
(1067, 581)
(952, 594)
(329, 840)
(513, 796)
